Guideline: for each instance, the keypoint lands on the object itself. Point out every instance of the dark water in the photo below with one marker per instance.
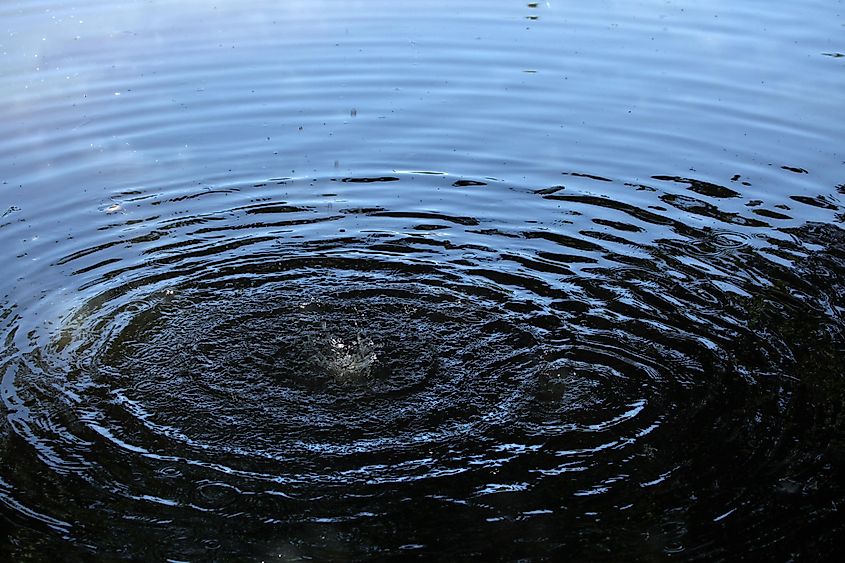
(346, 280)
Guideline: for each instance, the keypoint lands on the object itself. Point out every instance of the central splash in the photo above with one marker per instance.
(347, 361)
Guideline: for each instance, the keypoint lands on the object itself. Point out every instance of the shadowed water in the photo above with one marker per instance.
(344, 280)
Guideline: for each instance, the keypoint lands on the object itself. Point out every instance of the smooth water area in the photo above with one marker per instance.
(362, 279)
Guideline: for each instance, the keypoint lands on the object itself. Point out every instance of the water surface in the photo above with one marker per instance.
(346, 280)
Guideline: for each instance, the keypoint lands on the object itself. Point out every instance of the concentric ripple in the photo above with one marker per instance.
(334, 280)
(302, 360)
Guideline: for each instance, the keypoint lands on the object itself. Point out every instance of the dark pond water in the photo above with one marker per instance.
(347, 280)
